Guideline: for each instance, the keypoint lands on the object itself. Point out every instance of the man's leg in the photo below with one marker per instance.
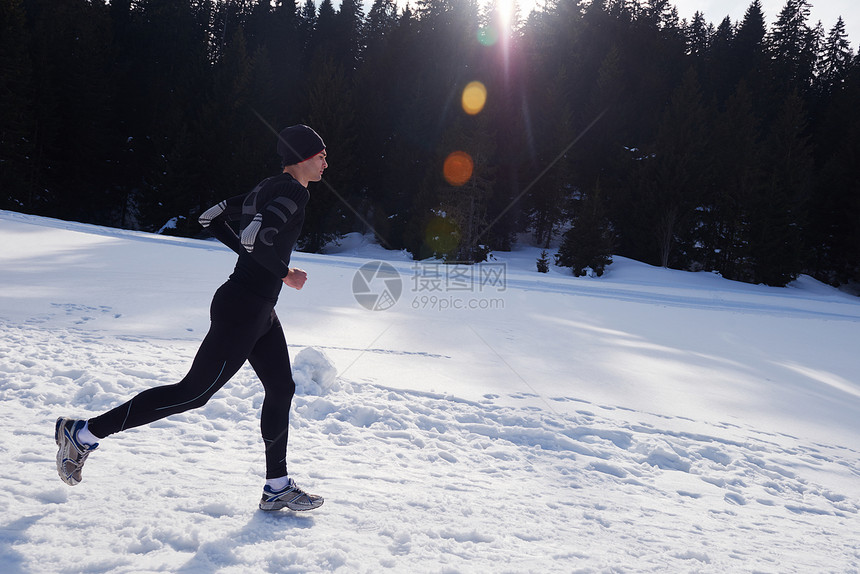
(271, 361)
(222, 353)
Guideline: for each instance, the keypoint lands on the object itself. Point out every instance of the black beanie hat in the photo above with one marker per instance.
(298, 143)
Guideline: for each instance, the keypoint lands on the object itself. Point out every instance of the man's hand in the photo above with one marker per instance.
(295, 278)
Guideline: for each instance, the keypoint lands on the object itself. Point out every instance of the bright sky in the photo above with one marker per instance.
(828, 11)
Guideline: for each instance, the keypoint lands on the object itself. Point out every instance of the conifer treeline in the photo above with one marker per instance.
(610, 125)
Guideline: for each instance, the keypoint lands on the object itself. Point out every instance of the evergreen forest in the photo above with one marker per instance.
(454, 128)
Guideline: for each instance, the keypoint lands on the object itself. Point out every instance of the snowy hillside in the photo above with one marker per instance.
(488, 419)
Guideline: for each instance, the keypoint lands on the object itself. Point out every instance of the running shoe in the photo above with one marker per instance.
(72, 453)
(291, 497)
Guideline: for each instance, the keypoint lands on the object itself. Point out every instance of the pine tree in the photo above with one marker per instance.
(793, 48)
(698, 36)
(601, 157)
(285, 36)
(750, 37)
(169, 48)
(777, 217)
(381, 21)
(543, 262)
(466, 205)
(307, 22)
(503, 68)
(16, 113)
(833, 234)
(836, 58)
(349, 38)
(737, 149)
(719, 72)
(332, 113)
(165, 106)
(680, 167)
(587, 245)
(381, 104)
(72, 103)
(549, 195)
(323, 35)
(396, 127)
(446, 43)
(749, 60)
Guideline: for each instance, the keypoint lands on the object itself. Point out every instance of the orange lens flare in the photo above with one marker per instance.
(474, 97)
(458, 168)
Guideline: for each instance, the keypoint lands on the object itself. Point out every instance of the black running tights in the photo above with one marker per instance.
(243, 327)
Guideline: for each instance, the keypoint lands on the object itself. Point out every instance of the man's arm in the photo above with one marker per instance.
(276, 216)
(217, 220)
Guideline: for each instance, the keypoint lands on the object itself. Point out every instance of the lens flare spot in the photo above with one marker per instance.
(488, 35)
(474, 98)
(458, 168)
(442, 235)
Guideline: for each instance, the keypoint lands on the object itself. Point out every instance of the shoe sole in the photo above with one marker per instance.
(70, 480)
(280, 505)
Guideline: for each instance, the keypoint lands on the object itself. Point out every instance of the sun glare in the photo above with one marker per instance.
(506, 13)
(501, 22)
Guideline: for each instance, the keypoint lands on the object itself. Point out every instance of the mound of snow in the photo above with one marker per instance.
(314, 373)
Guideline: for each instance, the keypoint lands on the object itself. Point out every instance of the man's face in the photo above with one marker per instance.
(313, 168)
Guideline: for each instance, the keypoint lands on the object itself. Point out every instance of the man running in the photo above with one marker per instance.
(243, 325)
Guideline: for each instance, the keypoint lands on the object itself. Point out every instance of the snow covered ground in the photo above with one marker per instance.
(492, 419)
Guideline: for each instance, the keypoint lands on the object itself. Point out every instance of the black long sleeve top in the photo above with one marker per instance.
(270, 220)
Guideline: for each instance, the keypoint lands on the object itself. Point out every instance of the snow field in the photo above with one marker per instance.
(636, 424)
